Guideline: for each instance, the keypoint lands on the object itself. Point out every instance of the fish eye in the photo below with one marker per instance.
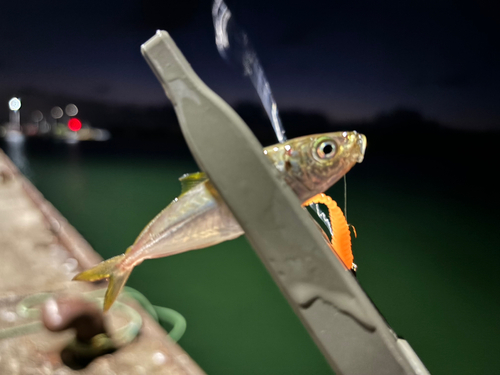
(326, 149)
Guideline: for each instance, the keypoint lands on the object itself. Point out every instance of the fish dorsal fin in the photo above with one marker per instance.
(190, 180)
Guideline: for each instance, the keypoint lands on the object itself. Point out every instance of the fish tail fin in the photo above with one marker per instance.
(109, 269)
(116, 283)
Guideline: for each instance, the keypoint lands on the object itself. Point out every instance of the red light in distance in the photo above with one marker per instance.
(74, 124)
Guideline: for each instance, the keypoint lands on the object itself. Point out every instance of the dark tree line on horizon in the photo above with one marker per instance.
(401, 131)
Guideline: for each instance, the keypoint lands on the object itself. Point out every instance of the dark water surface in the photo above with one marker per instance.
(427, 251)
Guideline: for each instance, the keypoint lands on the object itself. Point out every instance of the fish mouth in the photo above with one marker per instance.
(361, 142)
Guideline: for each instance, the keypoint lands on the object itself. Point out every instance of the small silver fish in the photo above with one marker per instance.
(199, 218)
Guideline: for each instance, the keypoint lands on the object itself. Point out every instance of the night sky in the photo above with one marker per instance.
(347, 59)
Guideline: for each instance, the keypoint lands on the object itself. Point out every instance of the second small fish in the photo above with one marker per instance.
(199, 218)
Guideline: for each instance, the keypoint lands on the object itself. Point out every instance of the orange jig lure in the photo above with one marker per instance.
(341, 238)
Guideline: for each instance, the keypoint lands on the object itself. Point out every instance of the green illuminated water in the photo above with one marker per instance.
(427, 258)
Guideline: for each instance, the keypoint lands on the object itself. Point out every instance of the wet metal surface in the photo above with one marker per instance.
(41, 252)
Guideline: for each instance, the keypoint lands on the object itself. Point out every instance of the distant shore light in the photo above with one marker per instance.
(37, 116)
(71, 110)
(14, 104)
(74, 124)
(56, 112)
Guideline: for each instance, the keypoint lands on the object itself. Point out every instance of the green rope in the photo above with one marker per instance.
(176, 320)
(143, 301)
(21, 330)
(161, 314)
(25, 309)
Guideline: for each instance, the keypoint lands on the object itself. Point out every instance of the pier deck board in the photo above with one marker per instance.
(40, 252)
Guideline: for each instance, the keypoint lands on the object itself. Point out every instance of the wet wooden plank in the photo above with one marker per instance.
(40, 252)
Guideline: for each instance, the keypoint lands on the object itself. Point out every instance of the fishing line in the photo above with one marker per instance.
(345, 209)
(345, 197)
(235, 47)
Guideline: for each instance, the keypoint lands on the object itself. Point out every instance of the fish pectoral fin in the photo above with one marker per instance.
(104, 270)
(190, 180)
